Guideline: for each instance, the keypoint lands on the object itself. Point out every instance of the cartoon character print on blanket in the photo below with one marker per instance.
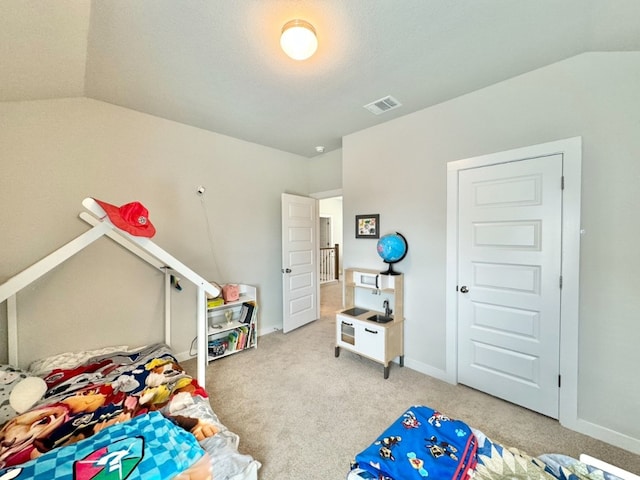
(105, 391)
(421, 443)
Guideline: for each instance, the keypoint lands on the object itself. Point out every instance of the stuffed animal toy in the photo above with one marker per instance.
(27, 393)
(18, 392)
(9, 378)
(165, 379)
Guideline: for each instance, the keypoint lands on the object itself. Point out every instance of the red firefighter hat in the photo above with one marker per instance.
(132, 217)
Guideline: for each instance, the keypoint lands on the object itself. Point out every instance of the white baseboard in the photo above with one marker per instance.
(426, 369)
(183, 356)
(607, 435)
(268, 330)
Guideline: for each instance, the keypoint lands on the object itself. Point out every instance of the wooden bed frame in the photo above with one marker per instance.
(142, 247)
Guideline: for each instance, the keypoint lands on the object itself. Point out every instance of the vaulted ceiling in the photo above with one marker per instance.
(217, 64)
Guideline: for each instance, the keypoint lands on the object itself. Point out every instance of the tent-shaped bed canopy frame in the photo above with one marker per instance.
(140, 246)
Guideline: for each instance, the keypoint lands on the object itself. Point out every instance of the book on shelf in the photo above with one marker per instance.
(233, 340)
(251, 335)
(215, 302)
(247, 340)
(246, 312)
(243, 333)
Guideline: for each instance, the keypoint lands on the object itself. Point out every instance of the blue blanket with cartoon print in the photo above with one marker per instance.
(422, 443)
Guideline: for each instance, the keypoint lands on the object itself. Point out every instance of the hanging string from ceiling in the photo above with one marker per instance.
(201, 191)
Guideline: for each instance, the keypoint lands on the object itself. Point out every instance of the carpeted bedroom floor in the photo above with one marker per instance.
(305, 414)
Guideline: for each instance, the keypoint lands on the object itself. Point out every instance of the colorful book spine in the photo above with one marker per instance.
(233, 340)
(246, 313)
(242, 340)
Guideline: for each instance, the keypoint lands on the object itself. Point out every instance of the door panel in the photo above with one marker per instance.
(523, 235)
(509, 260)
(515, 321)
(301, 259)
(514, 366)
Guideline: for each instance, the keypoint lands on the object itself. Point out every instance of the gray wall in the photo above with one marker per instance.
(54, 153)
(398, 169)
(325, 172)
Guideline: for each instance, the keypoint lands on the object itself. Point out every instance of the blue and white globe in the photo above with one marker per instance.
(392, 248)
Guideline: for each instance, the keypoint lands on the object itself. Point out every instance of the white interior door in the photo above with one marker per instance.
(300, 274)
(510, 234)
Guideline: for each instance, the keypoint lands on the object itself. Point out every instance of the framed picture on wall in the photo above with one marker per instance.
(368, 226)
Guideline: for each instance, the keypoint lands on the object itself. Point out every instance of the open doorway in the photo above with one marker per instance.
(329, 258)
(331, 242)
(330, 229)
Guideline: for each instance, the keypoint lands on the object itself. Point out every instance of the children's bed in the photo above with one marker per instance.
(122, 414)
(118, 412)
(424, 443)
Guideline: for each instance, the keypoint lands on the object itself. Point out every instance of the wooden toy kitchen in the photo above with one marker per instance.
(372, 324)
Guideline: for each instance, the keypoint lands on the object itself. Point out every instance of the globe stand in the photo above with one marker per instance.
(390, 270)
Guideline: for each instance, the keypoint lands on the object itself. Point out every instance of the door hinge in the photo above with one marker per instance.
(559, 381)
(560, 283)
(562, 182)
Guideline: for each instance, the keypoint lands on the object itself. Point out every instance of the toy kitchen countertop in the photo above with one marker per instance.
(366, 314)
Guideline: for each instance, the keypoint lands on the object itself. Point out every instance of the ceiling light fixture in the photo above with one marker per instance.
(298, 39)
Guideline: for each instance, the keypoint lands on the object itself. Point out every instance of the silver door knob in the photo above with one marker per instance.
(286, 270)
(464, 289)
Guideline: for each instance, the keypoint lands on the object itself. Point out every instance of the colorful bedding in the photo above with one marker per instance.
(424, 443)
(148, 446)
(113, 391)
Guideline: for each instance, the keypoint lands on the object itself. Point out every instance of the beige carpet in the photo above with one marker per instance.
(305, 414)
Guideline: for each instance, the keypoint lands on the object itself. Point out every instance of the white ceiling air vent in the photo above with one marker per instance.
(383, 105)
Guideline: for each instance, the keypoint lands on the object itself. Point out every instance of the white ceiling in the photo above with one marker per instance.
(216, 64)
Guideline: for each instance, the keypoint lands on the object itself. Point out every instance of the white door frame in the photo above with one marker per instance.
(571, 149)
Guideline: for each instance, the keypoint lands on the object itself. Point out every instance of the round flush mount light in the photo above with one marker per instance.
(298, 39)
